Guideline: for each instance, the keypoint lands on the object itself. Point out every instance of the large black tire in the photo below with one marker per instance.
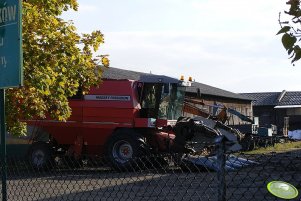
(40, 156)
(126, 151)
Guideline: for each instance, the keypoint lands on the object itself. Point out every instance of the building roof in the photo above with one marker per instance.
(263, 99)
(291, 98)
(213, 91)
(275, 98)
(116, 73)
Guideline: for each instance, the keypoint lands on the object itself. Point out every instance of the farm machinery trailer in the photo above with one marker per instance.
(123, 120)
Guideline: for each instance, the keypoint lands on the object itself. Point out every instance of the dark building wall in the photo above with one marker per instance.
(294, 115)
(266, 114)
(269, 115)
(279, 115)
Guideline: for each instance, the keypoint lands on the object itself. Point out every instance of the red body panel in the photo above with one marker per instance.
(94, 118)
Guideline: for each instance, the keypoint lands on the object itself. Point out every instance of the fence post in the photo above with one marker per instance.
(221, 172)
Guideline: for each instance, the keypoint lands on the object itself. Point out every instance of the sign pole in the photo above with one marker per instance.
(11, 71)
(3, 144)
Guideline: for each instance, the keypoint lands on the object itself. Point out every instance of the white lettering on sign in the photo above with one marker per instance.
(107, 97)
(1, 42)
(8, 14)
(3, 61)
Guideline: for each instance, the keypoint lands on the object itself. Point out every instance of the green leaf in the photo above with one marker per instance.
(288, 41)
(284, 29)
(289, 51)
(297, 51)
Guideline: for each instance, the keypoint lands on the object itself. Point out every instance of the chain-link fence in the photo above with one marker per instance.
(250, 182)
(234, 176)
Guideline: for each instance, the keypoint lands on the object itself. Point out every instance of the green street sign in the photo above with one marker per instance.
(11, 60)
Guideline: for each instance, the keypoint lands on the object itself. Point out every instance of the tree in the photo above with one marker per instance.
(291, 31)
(56, 62)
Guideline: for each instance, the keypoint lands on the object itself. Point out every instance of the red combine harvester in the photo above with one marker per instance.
(123, 120)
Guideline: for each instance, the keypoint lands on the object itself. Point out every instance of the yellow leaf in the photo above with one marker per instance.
(47, 92)
(62, 84)
(105, 61)
(48, 81)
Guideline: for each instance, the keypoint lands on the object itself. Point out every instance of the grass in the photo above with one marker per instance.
(279, 147)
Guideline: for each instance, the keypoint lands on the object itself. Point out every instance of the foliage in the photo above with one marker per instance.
(56, 61)
(290, 30)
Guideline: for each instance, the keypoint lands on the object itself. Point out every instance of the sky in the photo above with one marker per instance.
(229, 44)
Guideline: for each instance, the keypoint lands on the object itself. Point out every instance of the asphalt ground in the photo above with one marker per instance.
(98, 185)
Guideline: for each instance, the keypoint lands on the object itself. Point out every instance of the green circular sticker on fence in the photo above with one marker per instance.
(282, 189)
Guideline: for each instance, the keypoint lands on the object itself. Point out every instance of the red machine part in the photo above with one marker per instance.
(96, 116)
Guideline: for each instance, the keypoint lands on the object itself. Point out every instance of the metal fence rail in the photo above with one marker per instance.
(243, 177)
